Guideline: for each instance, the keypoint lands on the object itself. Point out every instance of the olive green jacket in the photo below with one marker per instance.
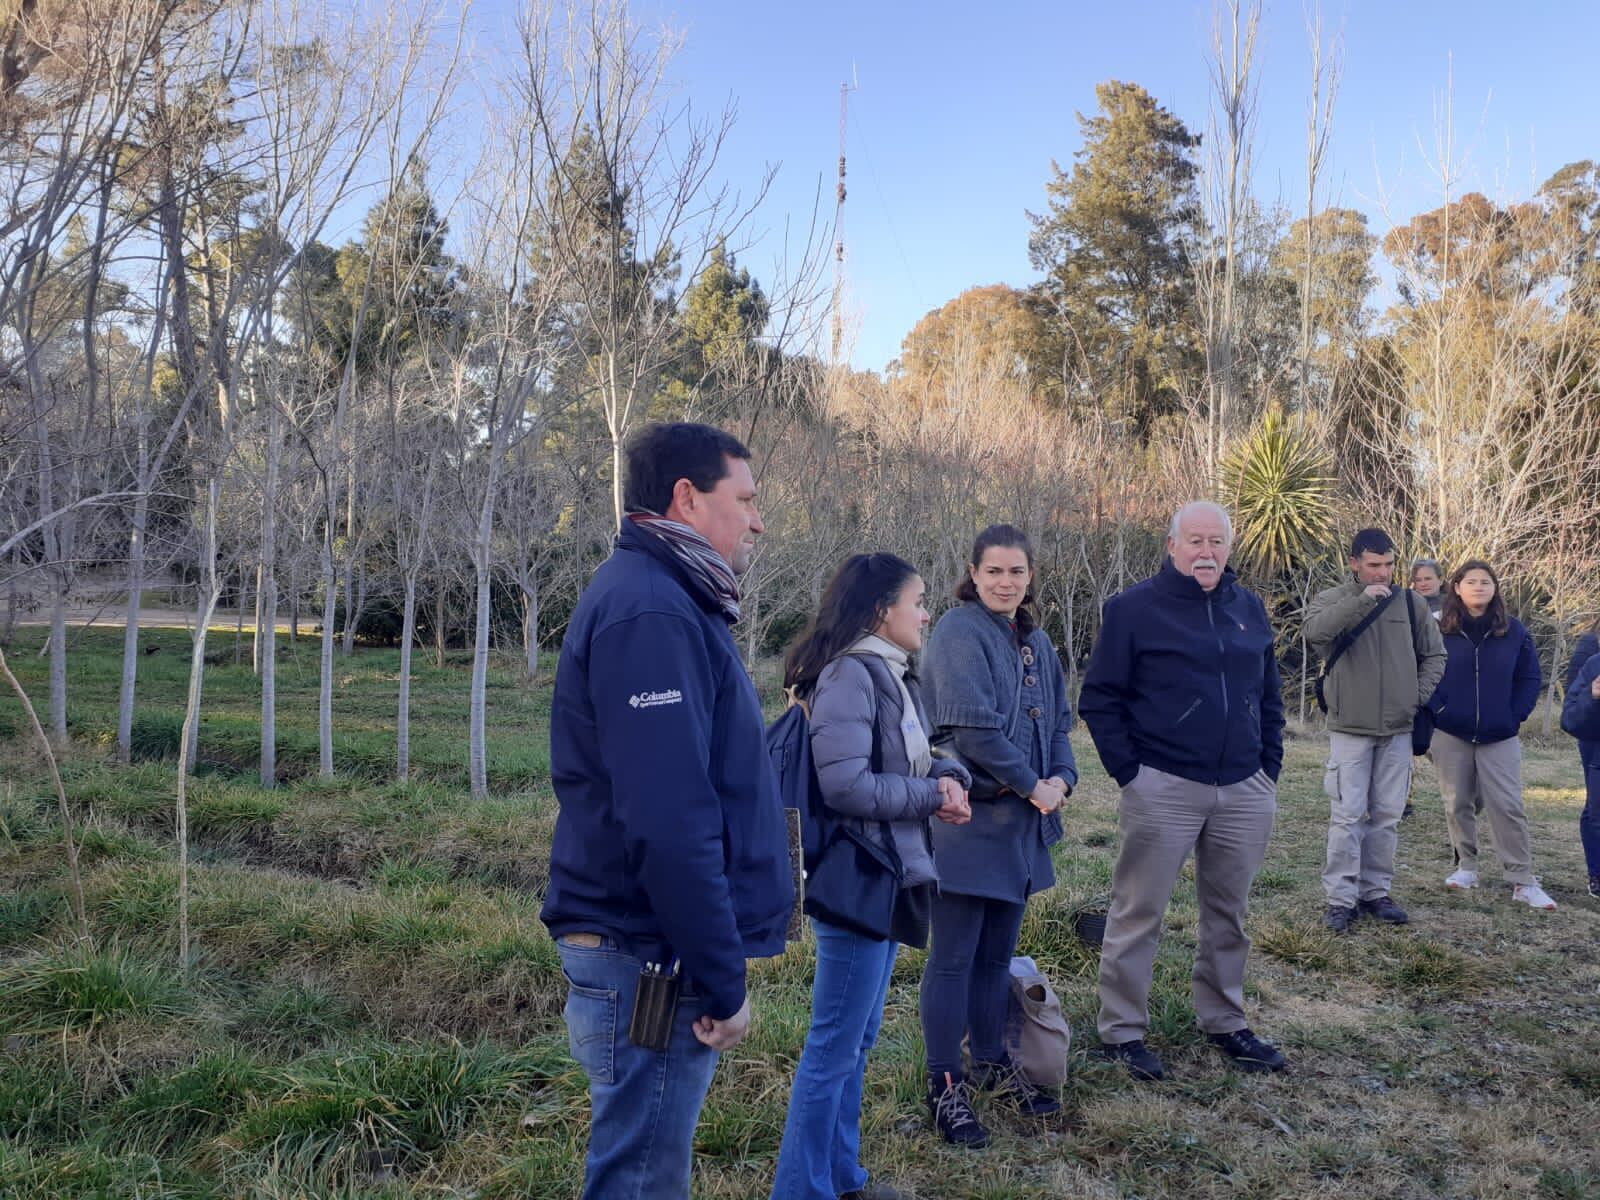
(1378, 684)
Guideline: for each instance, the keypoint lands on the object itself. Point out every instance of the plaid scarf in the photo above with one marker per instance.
(706, 568)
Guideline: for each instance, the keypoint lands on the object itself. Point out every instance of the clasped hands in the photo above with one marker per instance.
(1048, 794)
(954, 808)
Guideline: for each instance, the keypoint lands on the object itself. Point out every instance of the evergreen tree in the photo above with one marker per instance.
(1112, 247)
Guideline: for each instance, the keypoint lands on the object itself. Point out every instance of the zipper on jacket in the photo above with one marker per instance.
(1222, 677)
(1477, 696)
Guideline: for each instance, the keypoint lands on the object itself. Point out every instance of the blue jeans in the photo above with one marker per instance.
(1589, 822)
(967, 981)
(644, 1104)
(821, 1154)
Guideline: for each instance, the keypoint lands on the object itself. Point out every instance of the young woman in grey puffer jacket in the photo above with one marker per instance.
(853, 665)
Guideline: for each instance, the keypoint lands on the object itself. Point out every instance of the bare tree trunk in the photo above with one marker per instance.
(11, 602)
(438, 624)
(130, 628)
(58, 657)
(267, 607)
(191, 717)
(238, 617)
(255, 635)
(330, 595)
(480, 669)
(530, 624)
(354, 609)
(408, 633)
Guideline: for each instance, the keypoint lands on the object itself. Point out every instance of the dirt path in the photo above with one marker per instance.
(224, 620)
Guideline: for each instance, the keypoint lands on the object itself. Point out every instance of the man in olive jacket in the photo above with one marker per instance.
(1383, 674)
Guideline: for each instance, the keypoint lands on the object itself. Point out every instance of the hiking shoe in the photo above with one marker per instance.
(1461, 880)
(1533, 896)
(1142, 1064)
(1339, 918)
(1249, 1053)
(1009, 1085)
(873, 1191)
(952, 1113)
(1384, 909)
(1594, 886)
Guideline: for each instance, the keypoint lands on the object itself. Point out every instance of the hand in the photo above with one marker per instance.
(954, 809)
(1066, 788)
(1047, 795)
(1594, 687)
(1377, 590)
(726, 1034)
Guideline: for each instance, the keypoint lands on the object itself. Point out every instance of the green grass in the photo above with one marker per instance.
(373, 1009)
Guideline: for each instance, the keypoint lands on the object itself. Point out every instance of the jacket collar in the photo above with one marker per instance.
(1170, 581)
(1007, 626)
(631, 537)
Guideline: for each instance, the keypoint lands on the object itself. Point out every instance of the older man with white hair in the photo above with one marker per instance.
(1183, 700)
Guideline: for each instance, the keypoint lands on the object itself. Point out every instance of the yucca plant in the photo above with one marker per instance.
(1279, 483)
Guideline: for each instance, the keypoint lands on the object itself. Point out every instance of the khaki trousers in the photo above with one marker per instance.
(1367, 779)
(1162, 818)
(1487, 776)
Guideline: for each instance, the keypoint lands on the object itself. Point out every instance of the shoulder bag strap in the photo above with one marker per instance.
(1346, 641)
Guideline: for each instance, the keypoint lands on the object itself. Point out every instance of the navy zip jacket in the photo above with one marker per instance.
(1580, 715)
(1588, 747)
(1490, 687)
(671, 836)
(1185, 681)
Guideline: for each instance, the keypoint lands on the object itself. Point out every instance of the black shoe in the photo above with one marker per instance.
(873, 1191)
(1249, 1053)
(1406, 811)
(1142, 1064)
(1594, 886)
(952, 1113)
(1339, 918)
(1012, 1087)
(1385, 910)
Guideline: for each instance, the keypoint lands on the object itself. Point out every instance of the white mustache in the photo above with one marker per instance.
(1205, 562)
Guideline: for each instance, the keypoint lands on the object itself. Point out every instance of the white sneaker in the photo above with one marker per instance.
(1533, 896)
(1462, 880)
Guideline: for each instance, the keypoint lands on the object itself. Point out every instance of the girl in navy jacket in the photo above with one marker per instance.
(1490, 687)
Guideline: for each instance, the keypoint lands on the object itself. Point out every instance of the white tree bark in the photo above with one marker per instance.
(130, 629)
(408, 631)
(267, 603)
(191, 716)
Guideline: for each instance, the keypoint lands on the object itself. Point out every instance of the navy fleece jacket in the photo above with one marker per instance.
(671, 835)
(1185, 681)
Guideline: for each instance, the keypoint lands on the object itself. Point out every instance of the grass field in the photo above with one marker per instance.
(374, 1009)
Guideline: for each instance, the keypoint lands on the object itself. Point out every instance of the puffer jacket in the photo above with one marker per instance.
(850, 710)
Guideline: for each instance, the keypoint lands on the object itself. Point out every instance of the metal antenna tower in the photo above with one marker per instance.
(838, 221)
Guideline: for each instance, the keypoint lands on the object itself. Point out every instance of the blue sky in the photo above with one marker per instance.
(961, 108)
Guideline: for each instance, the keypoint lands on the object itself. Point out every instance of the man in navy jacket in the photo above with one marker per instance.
(1183, 701)
(671, 846)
